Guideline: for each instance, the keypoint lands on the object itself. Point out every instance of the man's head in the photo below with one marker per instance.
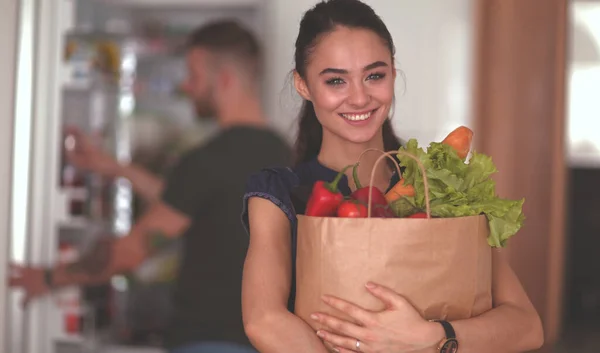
(222, 57)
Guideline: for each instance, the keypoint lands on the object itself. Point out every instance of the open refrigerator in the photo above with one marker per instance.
(113, 71)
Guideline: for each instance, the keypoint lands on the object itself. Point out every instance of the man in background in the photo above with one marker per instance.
(200, 201)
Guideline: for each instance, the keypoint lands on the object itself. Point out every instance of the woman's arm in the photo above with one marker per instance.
(512, 326)
(266, 285)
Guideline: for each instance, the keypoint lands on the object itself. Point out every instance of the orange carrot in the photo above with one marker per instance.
(460, 139)
(399, 190)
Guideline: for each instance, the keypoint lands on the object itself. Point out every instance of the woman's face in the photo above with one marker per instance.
(350, 81)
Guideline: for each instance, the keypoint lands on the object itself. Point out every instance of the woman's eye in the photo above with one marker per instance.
(334, 81)
(376, 76)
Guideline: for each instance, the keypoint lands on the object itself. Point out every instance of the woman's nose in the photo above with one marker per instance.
(359, 97)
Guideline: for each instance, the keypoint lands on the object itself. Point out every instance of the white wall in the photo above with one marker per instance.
(434, 50)
(583, 115)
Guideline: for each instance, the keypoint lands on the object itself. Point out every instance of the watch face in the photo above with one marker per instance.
(450, 346)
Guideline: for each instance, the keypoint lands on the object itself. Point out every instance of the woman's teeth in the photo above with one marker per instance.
(357, 117)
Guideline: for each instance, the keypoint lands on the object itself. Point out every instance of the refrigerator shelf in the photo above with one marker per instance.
(69, 338)
(74, 223)
(75, 193)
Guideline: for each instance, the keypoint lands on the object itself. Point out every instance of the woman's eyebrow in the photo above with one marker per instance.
(375, 65)
(371, 66)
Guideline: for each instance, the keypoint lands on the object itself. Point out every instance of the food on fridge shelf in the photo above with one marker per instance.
(68, 299)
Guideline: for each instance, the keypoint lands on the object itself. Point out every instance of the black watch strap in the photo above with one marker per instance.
(448, 329)
(49, 277)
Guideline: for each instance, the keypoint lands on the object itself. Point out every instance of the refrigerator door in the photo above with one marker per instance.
(33, 173)
(8, 63)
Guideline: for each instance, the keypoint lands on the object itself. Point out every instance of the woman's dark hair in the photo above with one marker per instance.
(323, 18)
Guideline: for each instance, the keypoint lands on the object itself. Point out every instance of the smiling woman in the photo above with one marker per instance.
(360, 91)
(345, 73)
(352, 79)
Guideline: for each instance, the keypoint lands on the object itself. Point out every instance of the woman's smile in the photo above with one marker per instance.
(358, 118)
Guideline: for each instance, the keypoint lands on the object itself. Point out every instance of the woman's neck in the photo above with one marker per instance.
(337, 153)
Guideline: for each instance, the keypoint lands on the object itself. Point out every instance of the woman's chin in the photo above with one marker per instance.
(363, 138)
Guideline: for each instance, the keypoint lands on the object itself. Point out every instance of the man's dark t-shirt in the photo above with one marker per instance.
(208, 185)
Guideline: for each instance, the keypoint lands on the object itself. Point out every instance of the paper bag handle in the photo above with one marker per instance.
(389, 155)
(381, 153)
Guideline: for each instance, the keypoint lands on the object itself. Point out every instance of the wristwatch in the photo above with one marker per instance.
(450, 343)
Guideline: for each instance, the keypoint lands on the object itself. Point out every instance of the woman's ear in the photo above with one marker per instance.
(301, 86)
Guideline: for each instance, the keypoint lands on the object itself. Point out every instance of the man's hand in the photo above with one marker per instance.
(30, 279)
(108, 256)
(85, 155)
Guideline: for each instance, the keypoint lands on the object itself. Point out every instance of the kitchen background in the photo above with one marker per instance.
(113, 68)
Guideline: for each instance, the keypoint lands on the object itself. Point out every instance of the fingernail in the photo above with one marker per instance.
(336, 350)
(320, 334)
(314, 317)
(370, 285)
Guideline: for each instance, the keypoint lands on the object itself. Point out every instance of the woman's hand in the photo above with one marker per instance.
(397, 329)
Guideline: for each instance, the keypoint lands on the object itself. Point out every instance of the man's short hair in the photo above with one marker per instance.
(229, 38)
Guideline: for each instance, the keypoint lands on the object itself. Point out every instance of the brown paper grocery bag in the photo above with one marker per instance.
(443, 266)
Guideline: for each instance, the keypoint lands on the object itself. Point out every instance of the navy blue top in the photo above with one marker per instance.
(289, 189)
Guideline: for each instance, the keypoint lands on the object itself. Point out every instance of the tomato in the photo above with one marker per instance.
(352, 209)
(418, 215)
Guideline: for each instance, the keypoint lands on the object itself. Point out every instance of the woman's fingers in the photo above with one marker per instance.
(342, 343)
(344, 350)
(359, 314)
(340, 326)
(391, 299)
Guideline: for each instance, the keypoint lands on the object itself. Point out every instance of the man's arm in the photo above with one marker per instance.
(144, 183)
(85, 155)
(108, 257)
(112, 256)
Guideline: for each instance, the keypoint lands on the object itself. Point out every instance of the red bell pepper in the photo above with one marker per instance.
(380, 205)
(418, 215)
(325, 197)
(352, 209)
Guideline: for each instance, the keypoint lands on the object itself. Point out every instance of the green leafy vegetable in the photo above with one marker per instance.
(404, 207)
(458, 189)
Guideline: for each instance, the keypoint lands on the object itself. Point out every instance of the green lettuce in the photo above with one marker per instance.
(458, 189)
